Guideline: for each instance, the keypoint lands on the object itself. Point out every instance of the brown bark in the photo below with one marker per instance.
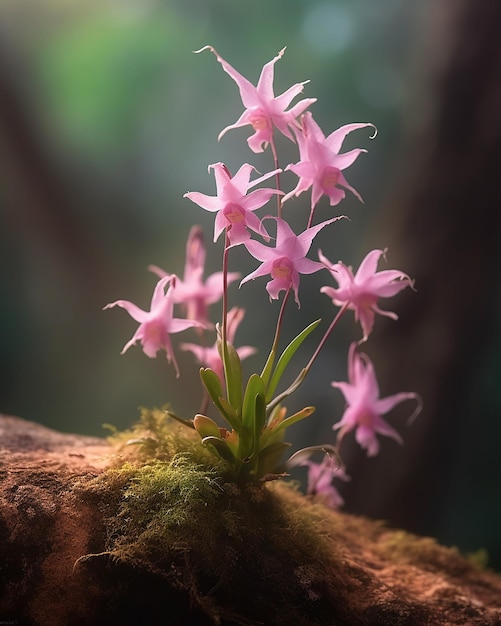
(46, 527)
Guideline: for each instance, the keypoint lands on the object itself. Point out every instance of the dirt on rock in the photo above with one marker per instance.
(383, 576)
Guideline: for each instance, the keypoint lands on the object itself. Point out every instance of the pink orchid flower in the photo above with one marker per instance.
(365, 408)
(320, 165)
(262, 109)
(157, 324)
(320, 477)
(287, 259)
(362, 291)
(209, 356)
(195, 294)
(233, 205)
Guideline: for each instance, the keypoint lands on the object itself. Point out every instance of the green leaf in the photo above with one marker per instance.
(205, 427)
(292, 419)
(285, 358)
(268, 367)
(213, 385)
(229, 413)
(255, 386)
(270, 436)
(290, 389)
(233, 376)
(253, 392)
(186, 422)
(260, 418)
(269, 457)
(221, 446)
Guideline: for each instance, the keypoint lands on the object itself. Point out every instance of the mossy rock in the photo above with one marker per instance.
(228, 548)
(155, 533)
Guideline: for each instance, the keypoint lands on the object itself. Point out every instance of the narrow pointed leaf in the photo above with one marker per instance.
(229, 413)
(213, 385)
(290, 389)
(260, 418)
(186, 422)
(254, 390)
(285, 358)
(270, 436)
(268, 367)
(250, 435)
(255, 386)
(233, 376)
(297, 417)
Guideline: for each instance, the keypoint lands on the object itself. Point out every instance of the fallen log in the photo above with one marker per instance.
(63, 561)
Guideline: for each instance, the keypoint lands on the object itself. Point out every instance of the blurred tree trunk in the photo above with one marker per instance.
(442, 224)
(37, 207)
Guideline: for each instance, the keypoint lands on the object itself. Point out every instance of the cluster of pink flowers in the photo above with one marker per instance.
(282, 257)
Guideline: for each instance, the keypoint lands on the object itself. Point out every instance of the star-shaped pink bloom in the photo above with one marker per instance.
(262, 109)
(233, 205)
(362, 291)
(209, 356)
(320, 477)
(365, 408)
(320, 165)
(287, 259)
(195, 294)
(157, 324)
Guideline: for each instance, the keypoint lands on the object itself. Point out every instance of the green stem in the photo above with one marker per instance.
(326, 336)
(225, 290)
(280, 319)
(267, 370)
(304, 372)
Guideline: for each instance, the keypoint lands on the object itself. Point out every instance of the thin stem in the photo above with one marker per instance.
(277, 175)
(326, 336)
(224, 331)
(304, 372)
(279, 321)
(225, 288)
(268, 367)
(310, 219)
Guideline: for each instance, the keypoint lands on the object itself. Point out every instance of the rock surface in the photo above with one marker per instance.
(45, 527)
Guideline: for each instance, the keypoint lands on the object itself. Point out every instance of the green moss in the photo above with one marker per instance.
(178, 516)
(424, 552)
(183, 541)
(157, 436)
(479, 558)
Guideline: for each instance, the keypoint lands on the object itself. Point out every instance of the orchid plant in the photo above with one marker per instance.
(250, 432)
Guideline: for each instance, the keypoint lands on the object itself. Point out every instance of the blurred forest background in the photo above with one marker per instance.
(107, 119)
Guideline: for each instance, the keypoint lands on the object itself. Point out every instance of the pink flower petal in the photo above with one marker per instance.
(364, 407)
